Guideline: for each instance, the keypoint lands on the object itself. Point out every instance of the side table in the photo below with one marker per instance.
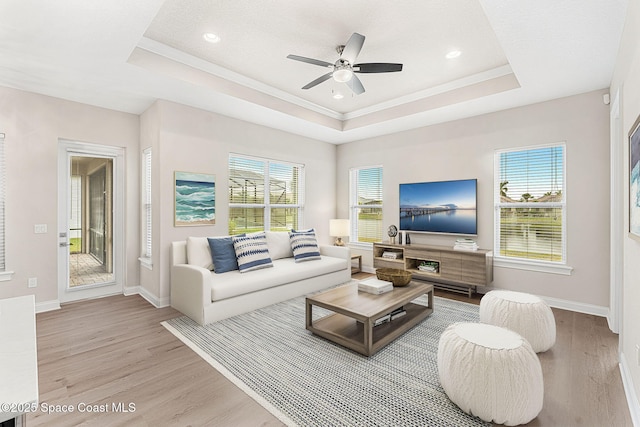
(357, 269)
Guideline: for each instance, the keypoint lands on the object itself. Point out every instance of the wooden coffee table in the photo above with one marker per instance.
(354, 313)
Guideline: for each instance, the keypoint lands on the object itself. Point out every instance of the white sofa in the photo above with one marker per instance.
(206, 296)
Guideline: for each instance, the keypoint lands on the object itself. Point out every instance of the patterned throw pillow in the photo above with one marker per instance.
(304, 245)
(252, 252)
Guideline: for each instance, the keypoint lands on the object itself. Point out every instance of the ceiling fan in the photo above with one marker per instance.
(344, 68)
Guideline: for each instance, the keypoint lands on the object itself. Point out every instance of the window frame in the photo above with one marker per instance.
(267, 204)
(354, 206)
(5, 275)
(547, 266)
(146, 243)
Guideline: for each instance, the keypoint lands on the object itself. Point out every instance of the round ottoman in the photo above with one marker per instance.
(490, 372)
(523, 313)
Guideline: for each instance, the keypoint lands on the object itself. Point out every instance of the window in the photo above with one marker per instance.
(147, 229)
(2, 193)
(264, 195)
(365, 196)
(530, 212)
(4, 275)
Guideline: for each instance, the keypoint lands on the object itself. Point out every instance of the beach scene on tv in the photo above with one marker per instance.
(439, 207)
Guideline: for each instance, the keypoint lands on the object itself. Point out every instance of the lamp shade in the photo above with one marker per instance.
(338, 227)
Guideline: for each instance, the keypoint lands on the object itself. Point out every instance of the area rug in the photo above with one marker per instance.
(305, 380)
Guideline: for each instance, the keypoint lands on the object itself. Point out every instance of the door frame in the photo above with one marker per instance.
(617, 230)
(67, 149)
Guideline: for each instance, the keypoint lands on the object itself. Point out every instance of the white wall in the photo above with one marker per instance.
(626, 82)
(465, 148)
(193, 140)
(33, 124)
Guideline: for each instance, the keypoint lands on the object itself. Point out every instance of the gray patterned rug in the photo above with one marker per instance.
(305, 380)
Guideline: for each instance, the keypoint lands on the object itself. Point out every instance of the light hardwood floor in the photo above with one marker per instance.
(114, 351)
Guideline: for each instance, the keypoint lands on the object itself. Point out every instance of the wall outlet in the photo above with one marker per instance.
(40, 228)
(33, 282)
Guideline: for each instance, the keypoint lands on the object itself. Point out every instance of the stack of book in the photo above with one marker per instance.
(375, 286)
(392, 255)
(465, 245)
(398, 312)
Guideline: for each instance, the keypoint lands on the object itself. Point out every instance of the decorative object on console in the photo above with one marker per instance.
(339, 228)
(195, 199)
(397, 277)
(392, 231)
(429, 266)
(392, 255)
(304, 245)
(465, 245)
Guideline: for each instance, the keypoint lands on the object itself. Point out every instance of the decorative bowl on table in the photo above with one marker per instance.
(394, 275)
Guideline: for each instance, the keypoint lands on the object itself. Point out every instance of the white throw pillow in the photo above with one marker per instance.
(199, 252)
(279, 244)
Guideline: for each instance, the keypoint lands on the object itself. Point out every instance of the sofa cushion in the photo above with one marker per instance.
(279, 244)
(284, 271)
(223, 254)
(199, 253)
(304, 245)
(252, 252)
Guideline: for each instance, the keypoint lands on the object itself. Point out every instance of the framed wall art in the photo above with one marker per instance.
(195, 199)
(634, 180)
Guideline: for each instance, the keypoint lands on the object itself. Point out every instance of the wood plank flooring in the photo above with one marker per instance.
(113, 351)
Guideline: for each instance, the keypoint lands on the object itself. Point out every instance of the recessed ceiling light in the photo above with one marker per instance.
(453, 54)
(211, 38)
(338, 95)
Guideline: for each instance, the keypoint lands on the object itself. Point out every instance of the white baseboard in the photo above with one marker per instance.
(629, 391)
(44, 306)
(131, 290)
(153, 299)
(578, 307)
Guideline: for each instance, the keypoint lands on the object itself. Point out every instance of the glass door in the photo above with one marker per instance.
(88, 255)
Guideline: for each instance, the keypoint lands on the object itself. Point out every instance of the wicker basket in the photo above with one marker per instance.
(395, 276)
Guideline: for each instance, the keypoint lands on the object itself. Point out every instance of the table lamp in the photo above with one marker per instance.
(337, 229)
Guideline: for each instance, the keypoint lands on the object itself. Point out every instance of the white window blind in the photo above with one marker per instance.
(264, 195)
(366, 204)
(147, 219)
(530, 211)
(2, 204)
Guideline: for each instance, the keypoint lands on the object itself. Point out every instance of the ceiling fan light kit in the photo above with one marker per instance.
(344, 68)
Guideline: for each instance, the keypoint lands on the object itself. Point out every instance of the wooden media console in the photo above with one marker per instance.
(445, 267)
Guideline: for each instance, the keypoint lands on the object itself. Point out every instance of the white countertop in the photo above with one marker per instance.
(18, 356)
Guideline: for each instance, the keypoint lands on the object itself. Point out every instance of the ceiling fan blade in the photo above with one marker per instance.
(318, 81)
(310, 60)
(355, 85)
(352, 48)
(377, 67)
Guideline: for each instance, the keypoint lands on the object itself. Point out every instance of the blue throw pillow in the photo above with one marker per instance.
(252, 252)
(304, 245)
(223, 254)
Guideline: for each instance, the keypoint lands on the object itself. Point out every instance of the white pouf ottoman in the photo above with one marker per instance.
(490, 372)
(523, 313)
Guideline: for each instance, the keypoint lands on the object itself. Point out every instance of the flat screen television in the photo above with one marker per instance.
(439, 207)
